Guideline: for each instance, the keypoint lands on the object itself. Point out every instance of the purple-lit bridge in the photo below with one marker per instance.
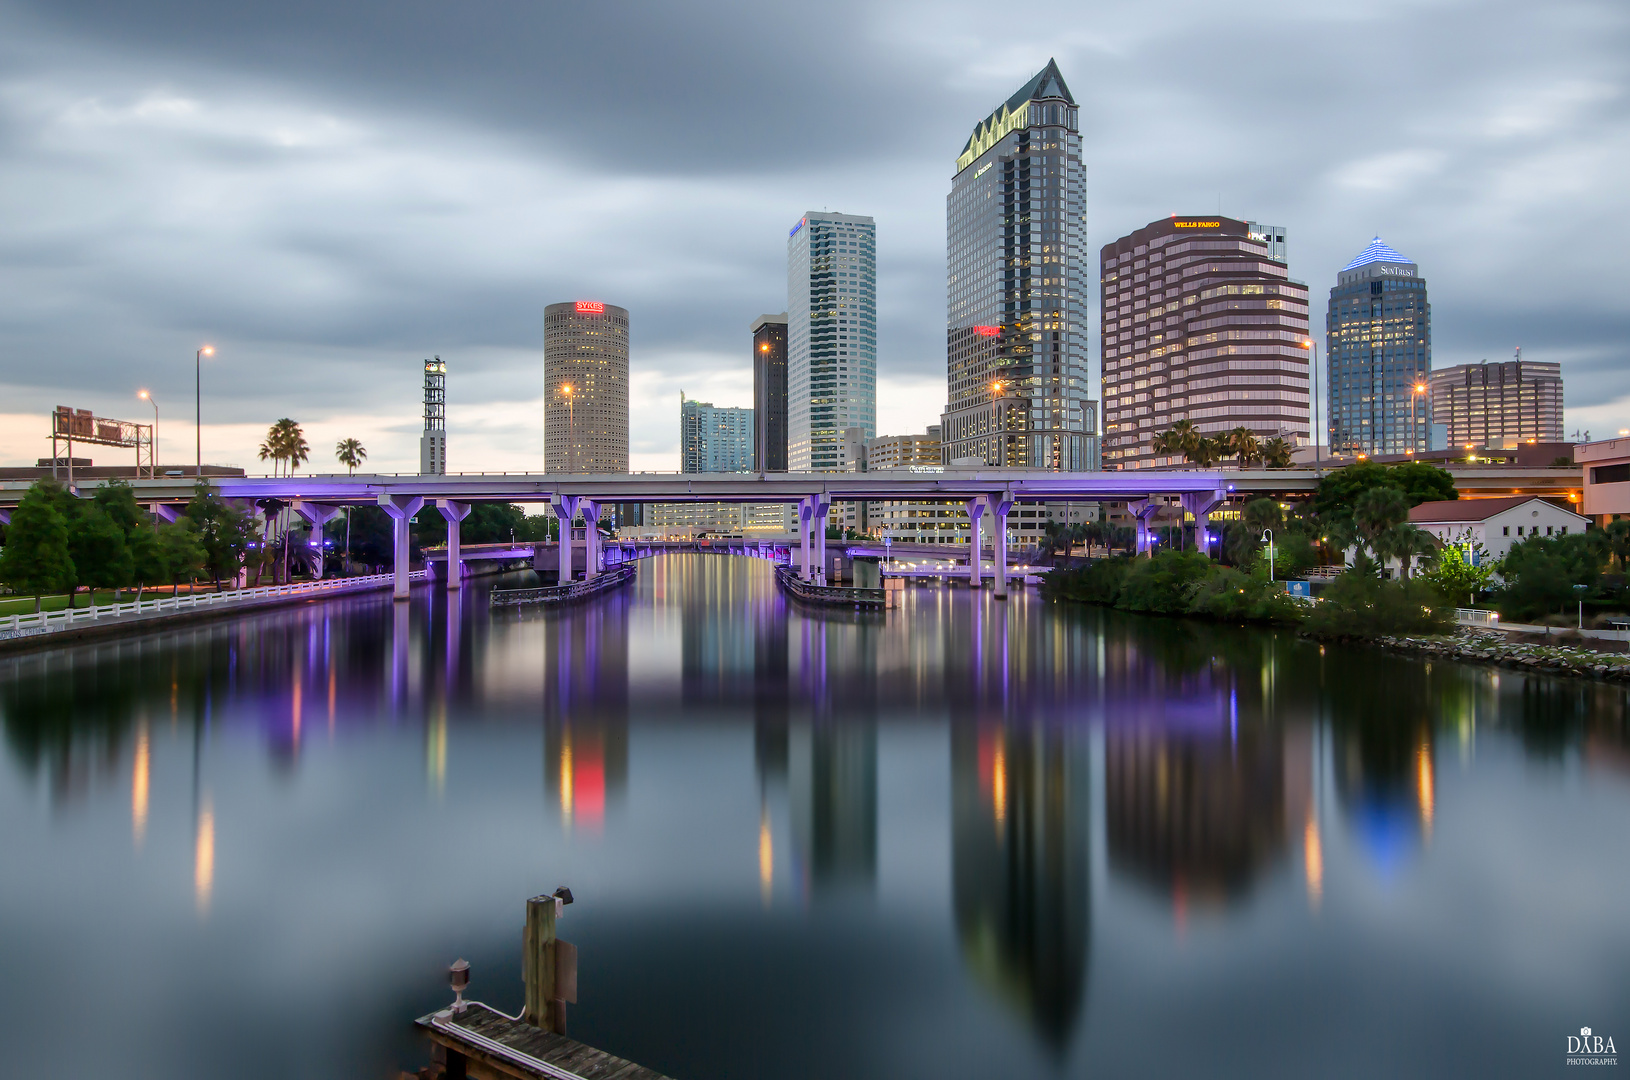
(988, 495)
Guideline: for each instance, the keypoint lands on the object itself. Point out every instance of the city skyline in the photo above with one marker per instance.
(327, 224)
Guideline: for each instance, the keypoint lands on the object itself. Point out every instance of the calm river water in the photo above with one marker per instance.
(970, 839)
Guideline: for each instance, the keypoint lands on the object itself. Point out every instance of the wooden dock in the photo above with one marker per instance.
(486, 1045)
(470, 1039)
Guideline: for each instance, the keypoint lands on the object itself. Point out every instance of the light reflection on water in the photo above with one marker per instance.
(967, 838)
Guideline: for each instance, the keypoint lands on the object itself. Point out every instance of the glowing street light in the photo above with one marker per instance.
(152, 466)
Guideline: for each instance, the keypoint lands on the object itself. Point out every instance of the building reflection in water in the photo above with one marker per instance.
(585, 709)
(1019, 866)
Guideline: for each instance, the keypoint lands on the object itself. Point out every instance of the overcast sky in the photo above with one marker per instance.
(329, 193)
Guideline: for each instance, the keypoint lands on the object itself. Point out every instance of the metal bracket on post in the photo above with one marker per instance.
(454, 512)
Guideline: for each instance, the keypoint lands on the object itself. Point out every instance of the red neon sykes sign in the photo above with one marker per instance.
(590, 307)
(987, 331)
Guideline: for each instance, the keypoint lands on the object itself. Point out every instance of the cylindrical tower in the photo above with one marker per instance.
(585, 382)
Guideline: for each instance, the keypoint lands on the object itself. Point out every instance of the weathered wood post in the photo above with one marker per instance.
(549, 966)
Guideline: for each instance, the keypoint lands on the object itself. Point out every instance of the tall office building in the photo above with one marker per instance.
(585, 382)
(1499, 405)
(1016, 310)
(433, 443)
(1378, 334)
(770, 393)
(1201, 323)
(713, 439)
(831, 337)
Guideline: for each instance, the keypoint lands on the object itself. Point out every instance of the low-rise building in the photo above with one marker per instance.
(1496, 524)
(1607, 479)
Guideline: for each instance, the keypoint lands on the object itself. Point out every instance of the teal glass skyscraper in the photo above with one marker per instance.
(831, 337)
(1378, 333)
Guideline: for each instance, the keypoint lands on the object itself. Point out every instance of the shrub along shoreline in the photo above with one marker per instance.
(1356, 604)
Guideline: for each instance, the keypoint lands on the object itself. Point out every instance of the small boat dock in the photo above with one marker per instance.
(481, 1043)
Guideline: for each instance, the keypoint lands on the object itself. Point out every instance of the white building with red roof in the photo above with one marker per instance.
(1495, 523)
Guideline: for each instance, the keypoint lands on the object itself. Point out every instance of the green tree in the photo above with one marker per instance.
(1339, 491)
(1375, 511)
(101, 556)
(351, 454)
(1205, 452)
(1617, 539)
(36, 559)
(1454, 574)
(1403, 542)
(1243, 444)
(1276, 453)
(1541, 571)
(223, 533)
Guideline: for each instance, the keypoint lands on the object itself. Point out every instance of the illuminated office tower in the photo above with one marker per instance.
(1201, 323)
(770, 393)
(1378, 334)
(585, 382)
(1016, 294)
(1498, 405)
(831, 337)
(714, 439)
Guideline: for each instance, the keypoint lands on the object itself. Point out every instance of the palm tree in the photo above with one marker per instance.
(1205, 452)
(1276, 453)
(351, 454)
(1403, 542)
(1376, 511)
(292, 441)
(1242, 443)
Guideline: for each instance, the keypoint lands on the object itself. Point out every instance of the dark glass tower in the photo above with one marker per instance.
(770, 393)
(1378, 332)
(1016, 310)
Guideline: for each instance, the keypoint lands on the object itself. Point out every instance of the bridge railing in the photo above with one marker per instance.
(51, 621)
(561, 594)
(1476, 617)
(833, 595)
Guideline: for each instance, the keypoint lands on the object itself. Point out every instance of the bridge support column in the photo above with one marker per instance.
(1201, 504)
(591, 538)
(166, 512)
(565, 508)
(976, 514)
(1143, 510)
(401, 509)
(454, 512)
(999, 506)
(316, 515)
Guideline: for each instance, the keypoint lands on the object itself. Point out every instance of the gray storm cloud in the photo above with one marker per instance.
(330, 192)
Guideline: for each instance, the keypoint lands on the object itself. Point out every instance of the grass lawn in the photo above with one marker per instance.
(24, 605)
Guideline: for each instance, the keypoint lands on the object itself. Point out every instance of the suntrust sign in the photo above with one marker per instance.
(1392, 270)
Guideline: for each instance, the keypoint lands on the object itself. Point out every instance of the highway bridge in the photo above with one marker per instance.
(988, 494)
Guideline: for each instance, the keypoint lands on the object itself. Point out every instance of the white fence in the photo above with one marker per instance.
(1476, 617)
(46, 622)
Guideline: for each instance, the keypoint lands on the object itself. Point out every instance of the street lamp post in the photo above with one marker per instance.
(1267, 538)
(1313, 345)
(198, 395)
(1414, 437)
(152, 445)
(571, 428)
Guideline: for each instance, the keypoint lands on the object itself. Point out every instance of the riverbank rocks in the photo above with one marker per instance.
(1492, 647)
